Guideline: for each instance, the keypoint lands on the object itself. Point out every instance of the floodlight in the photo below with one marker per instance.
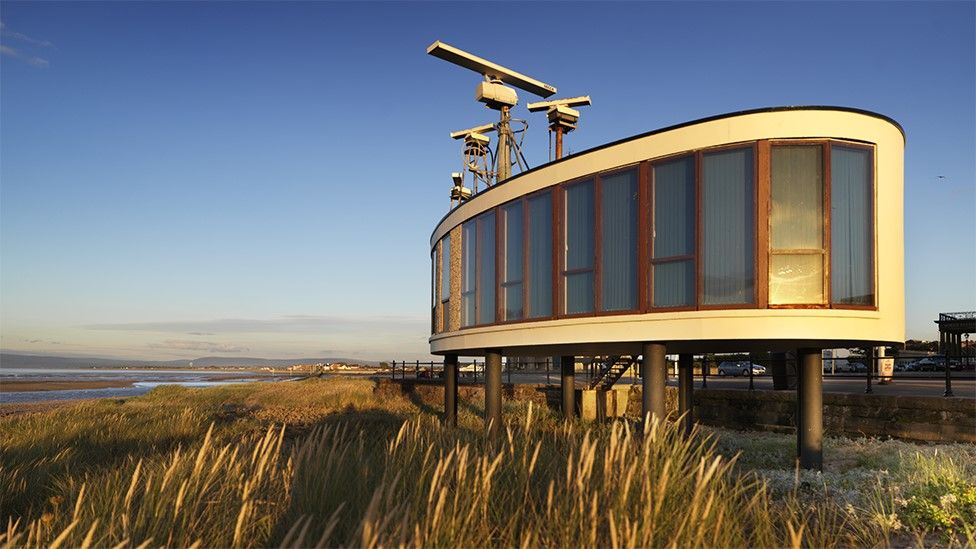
(460, 193)
(580, 101)
(487, 68)
(458, 178)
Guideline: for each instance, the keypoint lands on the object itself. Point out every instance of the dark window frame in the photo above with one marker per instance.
(763, 251)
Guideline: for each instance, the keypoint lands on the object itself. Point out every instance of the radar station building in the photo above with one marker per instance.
(775, 229)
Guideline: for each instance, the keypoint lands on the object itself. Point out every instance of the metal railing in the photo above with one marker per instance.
(866, 368)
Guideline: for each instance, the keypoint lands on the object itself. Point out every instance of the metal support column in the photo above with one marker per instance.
(450, 390)
(686, 391)
(704, 371)
(809, 404)
(654, 375)
(948, 369)
(493, 390)
(567, 366)
(870, 358)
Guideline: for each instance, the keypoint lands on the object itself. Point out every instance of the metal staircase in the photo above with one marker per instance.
(613, 368)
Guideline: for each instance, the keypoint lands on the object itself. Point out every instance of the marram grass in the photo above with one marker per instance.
(326, 463)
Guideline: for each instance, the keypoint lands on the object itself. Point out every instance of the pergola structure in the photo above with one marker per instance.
(952, 328)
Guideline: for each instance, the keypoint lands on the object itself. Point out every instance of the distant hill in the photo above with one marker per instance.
(16, 360)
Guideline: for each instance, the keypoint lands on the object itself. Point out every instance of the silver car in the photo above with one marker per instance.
(740, 368)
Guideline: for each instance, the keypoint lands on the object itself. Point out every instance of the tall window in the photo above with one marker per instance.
(434, 299)
(673, 236)
(446, 283)
(728, 227)
(469, 278)
(486, 268)
(512, 278)
(540, 255)
(851, 226)
(796, 226)
(578, 248)
(618, 243)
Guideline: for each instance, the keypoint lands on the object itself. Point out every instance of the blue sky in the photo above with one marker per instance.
(261, 179)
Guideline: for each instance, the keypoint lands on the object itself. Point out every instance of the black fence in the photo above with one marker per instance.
(871, 369)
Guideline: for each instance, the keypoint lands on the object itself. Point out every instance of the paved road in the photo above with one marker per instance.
(903, 385)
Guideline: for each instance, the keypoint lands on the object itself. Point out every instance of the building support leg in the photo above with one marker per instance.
(809, 421)
(686, 388)
(567, 366)
(654, 376)
(493, 390)
(450, 390)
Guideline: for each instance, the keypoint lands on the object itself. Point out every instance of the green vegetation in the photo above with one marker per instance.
(328, 463)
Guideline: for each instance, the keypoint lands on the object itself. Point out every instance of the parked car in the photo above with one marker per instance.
(740, 368)
(905, 366)
(930, 364)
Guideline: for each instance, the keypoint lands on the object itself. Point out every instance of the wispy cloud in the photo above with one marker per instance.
(284, 324)
(29, 59)
(206, 346)
(4, 31)
(46, 341)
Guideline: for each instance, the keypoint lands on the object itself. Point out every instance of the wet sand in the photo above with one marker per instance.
(17, 408)
(41, 385)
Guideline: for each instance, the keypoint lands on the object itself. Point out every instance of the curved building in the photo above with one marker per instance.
(763, 230)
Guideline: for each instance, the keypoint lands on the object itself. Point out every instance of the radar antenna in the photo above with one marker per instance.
(495, 95)
(562, 117)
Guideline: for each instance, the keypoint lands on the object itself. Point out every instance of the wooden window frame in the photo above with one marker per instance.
(445, 293)
(694, 256)
(562, 272)
(598, 245)
(700, 226)
(873, 216)
(824, 251)
(502, 259)
(474, 290)
(762, 251)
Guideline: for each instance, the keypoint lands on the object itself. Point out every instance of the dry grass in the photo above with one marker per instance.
(328, 463)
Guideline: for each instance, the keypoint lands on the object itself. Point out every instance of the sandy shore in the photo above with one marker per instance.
(41, 385)
(16, 408)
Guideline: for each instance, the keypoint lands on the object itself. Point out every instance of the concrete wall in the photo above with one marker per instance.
(922, 419)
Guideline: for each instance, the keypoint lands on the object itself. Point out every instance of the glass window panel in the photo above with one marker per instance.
(796, 279)
(579, 247)
(674, 208)
(674, 284)
(512, 257)
(579, 292)
(579, 226)
(618, 217)
(540, 256)
(796, 213)
(728, 227)
(445, 268)
(433, 279)
(468, 276)
(445, 283)
(851, 226)
(486, 268)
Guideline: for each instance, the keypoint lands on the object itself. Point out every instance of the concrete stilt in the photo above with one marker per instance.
(809, 402)
(493, 390)
(686, 388)
(654, 377)
(567, 365)
(450, 390)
